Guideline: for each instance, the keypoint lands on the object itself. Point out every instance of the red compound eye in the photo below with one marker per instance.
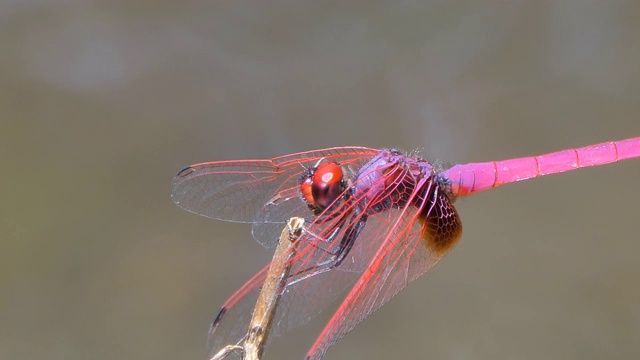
(322, 186)
(327, 184)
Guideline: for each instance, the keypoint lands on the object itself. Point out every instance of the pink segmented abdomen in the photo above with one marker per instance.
(475, 177)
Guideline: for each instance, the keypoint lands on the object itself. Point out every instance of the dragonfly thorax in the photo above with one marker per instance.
(388, 180)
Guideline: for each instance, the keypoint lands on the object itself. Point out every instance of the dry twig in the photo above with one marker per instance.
(252, 347)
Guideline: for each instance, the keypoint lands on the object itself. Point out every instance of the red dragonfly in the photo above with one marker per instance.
(376, 220)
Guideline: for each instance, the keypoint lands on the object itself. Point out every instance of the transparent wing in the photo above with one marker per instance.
(305, 297)
(408, 251)
(240, 190)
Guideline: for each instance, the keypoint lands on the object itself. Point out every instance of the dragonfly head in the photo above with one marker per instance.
(321, 185)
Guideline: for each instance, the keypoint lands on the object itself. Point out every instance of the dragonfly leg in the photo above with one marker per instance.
(345, 246)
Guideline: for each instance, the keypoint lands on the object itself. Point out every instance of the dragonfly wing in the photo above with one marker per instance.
(242, 190)
(413, 245)
(302, 299)
(226, 190)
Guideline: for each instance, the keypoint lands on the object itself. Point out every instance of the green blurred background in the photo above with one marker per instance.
(102, 102)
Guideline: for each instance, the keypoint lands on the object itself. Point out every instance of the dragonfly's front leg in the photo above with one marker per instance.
(337, 257)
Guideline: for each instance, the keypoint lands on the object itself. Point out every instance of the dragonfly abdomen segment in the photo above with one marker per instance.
(475, 177)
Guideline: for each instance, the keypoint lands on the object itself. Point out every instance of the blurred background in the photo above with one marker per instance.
(102, 102)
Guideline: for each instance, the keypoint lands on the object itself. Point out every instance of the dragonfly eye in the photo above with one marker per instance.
(322, 186)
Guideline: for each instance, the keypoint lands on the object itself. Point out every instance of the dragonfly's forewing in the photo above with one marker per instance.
(241, 190)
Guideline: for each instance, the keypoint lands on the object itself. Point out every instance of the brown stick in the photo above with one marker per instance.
(253, 345)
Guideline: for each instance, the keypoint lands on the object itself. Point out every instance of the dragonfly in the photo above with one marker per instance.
(376, 219)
